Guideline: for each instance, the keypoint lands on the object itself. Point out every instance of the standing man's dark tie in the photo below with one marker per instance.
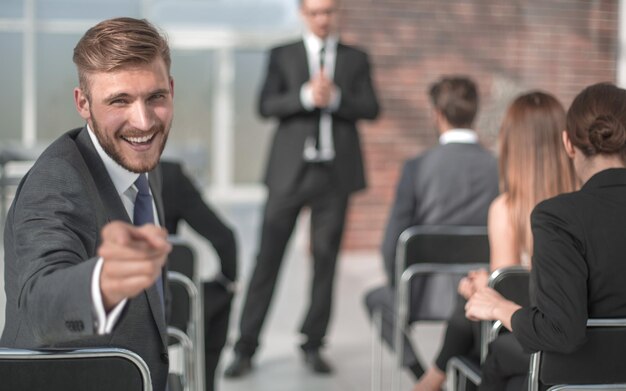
(320, 147)
(144, 214)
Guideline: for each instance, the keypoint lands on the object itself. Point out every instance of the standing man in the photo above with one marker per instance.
(84, 253)
(317, 88)
(450, 184)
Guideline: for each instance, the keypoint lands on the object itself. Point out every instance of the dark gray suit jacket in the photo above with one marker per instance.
(51, 239)
(450, 184)
(287, 71)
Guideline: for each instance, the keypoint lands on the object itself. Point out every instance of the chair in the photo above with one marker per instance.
(449, 252)
(100, 369)
(186, 320)
(512, 283)
(597, 365)
(183, 317)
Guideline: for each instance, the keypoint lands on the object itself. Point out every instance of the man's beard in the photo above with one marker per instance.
(108, 145)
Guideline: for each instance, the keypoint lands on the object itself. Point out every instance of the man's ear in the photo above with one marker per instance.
(82, 103)
(567, 143)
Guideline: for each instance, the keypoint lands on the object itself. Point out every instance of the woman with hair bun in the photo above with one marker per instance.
(579, 245)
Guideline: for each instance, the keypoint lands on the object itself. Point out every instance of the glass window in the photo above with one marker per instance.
(56, 79)
(252, 133)
(11, 8)
(87, 9)
(240, 14)
(190, 137)
(11, 91)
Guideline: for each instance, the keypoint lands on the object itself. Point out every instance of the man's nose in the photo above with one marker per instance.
(141, 116)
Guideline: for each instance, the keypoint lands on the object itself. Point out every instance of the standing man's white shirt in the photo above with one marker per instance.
(313, 45)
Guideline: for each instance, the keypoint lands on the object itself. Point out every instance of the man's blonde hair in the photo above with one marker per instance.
(117, 43)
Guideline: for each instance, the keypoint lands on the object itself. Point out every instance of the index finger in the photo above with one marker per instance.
(153, 235)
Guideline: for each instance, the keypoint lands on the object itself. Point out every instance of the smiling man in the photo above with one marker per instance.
(84, 251)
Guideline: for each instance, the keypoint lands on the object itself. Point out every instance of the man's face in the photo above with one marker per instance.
(320, 16)
(130, 111)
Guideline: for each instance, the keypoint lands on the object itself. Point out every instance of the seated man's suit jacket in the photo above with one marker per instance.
(450, 184)
(51, 239)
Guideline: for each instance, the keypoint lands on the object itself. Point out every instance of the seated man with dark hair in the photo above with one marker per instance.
(452, 183)
(183, 201)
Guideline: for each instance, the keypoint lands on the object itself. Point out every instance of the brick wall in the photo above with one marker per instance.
(507, 46)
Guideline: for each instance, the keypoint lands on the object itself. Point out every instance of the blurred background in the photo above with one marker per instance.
(219, 57)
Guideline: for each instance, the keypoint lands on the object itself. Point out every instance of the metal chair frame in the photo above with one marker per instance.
(80, 354)
(407, 269)
(188, 340)
(536, 360)
(195, 327)
(458, 371)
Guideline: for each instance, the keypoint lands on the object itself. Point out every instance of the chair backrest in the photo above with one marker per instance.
(99, 369)
(441, 244)
(430, 261)
(182, 259)
(598, 364)
(441, 252)
(513, 283)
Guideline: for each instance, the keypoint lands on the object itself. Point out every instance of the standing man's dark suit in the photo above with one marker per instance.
(183, 202)
(51, 240)
(287, 72)
(294, 183)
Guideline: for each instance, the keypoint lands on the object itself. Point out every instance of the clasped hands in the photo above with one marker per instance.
(132, 260)
(322, 89)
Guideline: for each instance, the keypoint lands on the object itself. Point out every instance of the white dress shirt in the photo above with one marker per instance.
(465, 136)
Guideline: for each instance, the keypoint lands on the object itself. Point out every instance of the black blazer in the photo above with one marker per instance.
(578, 264)
(287, 71)
(182, 201)
(51, 239)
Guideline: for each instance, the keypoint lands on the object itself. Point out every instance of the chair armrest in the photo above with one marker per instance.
(459, 370)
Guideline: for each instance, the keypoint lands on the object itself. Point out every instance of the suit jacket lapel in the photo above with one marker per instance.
(155, 180)
(340, 61)
(301, 61)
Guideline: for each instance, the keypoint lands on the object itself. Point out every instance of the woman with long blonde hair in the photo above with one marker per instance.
(533, 166)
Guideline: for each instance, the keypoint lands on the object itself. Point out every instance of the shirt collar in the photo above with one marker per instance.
(121, 177)
(464, 136)
(314, 43)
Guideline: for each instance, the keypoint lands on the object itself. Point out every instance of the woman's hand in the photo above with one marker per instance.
(475, 280)
(487, 304)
